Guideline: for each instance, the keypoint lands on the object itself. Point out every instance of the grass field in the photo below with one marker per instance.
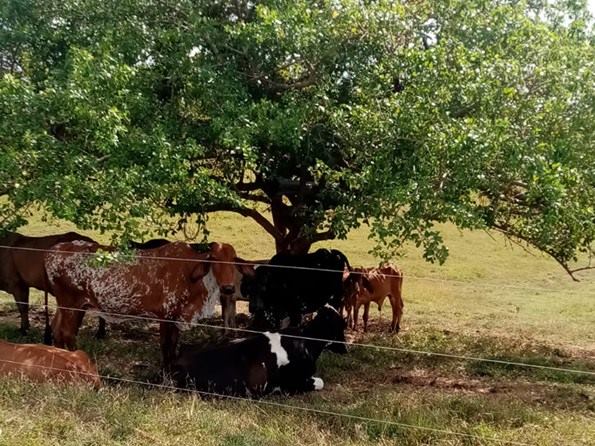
(489, 300)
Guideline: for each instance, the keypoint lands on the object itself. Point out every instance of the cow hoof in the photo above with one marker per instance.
(318, 383)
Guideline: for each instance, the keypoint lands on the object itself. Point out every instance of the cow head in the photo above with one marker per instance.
(221, 262)
(356, 283)
(328, 324)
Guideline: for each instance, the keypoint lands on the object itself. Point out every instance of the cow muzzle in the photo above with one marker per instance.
(227, 289)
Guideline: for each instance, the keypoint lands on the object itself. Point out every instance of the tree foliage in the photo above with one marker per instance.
(332, 114)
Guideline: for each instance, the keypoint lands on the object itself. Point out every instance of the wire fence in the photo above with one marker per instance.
(445, 355)
(260, 264)
(273, 404)
(307, 338)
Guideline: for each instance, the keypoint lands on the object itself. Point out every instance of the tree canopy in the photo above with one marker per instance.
(332, 114)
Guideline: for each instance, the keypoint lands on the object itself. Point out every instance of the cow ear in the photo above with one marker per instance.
(243, 267)
(346, 273)
(200, 270)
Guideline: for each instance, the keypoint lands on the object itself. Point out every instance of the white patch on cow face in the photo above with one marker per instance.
(277, 348)
(210, 283)
(318, 383)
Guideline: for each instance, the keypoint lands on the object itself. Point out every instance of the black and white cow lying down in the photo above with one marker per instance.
(264, 363)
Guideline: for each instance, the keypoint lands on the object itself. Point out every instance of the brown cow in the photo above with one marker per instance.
(21, 266)
(221, 287)
(43, 363)
(223, 280)
(373, 285)
(151, 286)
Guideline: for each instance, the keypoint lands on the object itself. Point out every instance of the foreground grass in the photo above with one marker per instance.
(495, 302)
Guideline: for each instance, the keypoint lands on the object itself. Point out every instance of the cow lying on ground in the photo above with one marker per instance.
(276, 293)
(150, 285)
(366, 285)
(263, 363)
(21, 269)
(43, 363)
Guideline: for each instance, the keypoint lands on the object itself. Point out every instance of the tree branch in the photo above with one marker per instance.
(278, 87)
(506, 231)
(321, 236)
(248, 187)
(251, 197)
(584, 268)
(248, 212)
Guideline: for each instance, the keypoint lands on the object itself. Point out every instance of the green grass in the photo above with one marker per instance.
(489, 300)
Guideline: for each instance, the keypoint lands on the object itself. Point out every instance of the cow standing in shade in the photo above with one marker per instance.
(164, 283)
(219, 273)
(291, 286)
(22, 267)
(263, 363)
(367, 285)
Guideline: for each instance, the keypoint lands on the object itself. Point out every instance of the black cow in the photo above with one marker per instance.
(313, 280)
(264, 363)
(149, 244)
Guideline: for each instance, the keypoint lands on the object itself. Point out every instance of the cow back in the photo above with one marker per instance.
(29, 263)
(298, 283)
(164, 282)
(44, 363)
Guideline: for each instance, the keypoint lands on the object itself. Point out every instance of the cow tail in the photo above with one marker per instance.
(47, 335)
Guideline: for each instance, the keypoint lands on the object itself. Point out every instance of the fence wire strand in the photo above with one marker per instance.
(249, 331)
(99, 313)
(303, 268)
(275, 404)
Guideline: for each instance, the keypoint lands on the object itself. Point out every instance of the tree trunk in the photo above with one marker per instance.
(293, 245)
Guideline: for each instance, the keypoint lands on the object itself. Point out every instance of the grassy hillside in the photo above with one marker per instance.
(489, 300)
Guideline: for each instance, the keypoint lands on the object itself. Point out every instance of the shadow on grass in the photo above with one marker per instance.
(490, 348)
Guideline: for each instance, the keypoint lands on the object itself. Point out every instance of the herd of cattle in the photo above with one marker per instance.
(177, 284)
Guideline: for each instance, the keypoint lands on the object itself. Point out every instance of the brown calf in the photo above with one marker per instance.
(164, 283)
(374, 285)
(21, 269)
(43, 363)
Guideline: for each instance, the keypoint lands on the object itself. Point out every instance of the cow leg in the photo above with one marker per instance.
(47, 334)
(366, 313)
(355, 315)
(228, 310)
(169, 334)
(349, 311)
(101, 331)
(21, 296)
(397, 306)
(65, 326)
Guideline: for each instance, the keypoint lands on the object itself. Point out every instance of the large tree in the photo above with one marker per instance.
(330, 114)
